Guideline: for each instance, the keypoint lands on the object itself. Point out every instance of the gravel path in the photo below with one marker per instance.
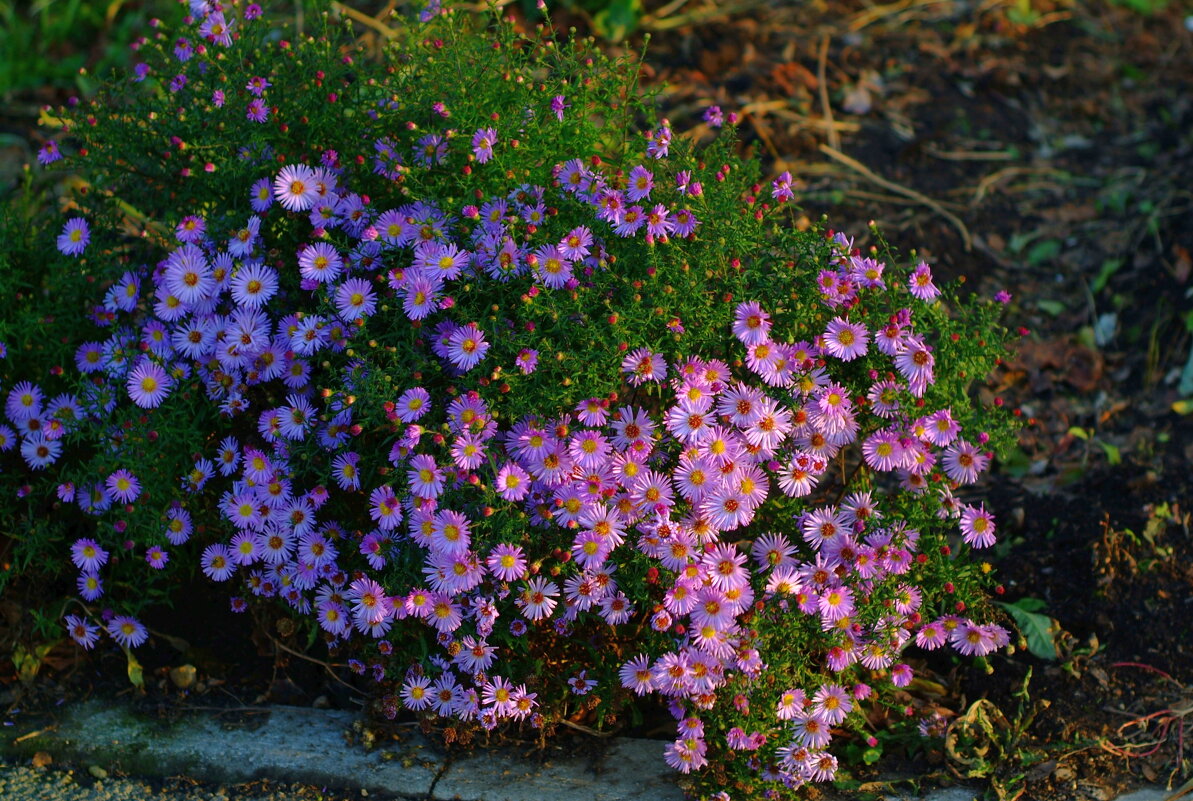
(23, 783)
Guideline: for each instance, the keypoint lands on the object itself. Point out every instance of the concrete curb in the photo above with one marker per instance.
(303, 745)
(321, 748)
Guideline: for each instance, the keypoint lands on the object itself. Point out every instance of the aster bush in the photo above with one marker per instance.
(526, 403)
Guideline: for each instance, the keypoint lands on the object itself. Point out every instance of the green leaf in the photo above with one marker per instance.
(1030, 604)
(1037, 628)
(1044, 251)
(1109, 268)
(618, 19)
(1079, 432)
(1113, 455)
(1053, 307)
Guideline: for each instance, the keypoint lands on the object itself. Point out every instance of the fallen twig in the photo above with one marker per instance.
(587, 730)
(33, 734)
(834, 139)
(326, 665)
(863, 170)
(364, 19)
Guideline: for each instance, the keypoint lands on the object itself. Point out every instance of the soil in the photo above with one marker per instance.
(1043, 148)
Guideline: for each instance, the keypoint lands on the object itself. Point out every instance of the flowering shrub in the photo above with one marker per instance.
(525, 413)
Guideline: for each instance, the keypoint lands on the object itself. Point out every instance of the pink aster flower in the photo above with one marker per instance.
(425, 477)
(846, 340)
(781, 188)
(576, 244)
(920, 283)
(836, 603)
(636, 675)
(883, 451)
(466, 347)
(296, 187)
(832, 703)
(659, 222)
(527, 360)
(642, 366)
(506, 562)
(977, 526)
(537, 599)
(751, 325)
(963, 462)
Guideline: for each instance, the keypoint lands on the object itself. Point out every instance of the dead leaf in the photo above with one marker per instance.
(183, 676)
(857, 100)
(41, 759)
(1183, 264)
(1041, 771)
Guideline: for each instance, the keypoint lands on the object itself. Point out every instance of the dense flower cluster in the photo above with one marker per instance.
(790, 476)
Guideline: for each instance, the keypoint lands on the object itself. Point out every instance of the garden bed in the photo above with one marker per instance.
(1053, 146)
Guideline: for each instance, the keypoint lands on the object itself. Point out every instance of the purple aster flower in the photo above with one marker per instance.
(558, 105)
(482, 144)
(123, 486)
(91, 586)
(684, 223)
(658, 221)
(320, 262)
(260, 198)
(148, 385)
(354, 299)
(527, 360)
(127, 631)
(191, 229)
(49, 153)
(157, 557)
(257, 85)
(82, 632)
(87, 555)
(75, 236)
(216, 29)
(257, 111)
